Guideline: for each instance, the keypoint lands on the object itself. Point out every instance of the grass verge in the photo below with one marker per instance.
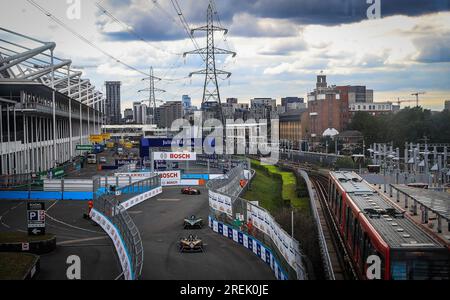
(14, 266)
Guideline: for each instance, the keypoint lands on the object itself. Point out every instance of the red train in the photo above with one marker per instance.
(383, 243)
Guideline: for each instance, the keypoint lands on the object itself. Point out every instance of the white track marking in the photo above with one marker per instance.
(71, 226)
(77, 241)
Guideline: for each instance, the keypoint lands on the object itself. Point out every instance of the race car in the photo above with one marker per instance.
(191, 244)
(190, 191)
(193, 223)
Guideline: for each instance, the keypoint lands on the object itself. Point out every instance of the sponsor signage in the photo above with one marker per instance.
(165, 142)
(220, 202)
(116, 237)
(169, 178)
(96, 138)
(262, 220)
(123, 162)
(84, 148)
(36, 218)
(175, 156)
(106, 136)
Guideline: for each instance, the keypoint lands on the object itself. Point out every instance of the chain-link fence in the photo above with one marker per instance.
(109, 205)
(232, 185)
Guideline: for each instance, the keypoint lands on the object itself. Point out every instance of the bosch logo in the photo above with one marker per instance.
(169, 175)
(163, 155)
(180, 156)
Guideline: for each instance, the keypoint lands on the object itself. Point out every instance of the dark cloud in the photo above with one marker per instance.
(433, 49)
(155, 23)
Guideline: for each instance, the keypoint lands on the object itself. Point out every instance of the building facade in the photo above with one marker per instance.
(294, 127)
(113, 110)
(167, 113)
(374, 108)
(325, 108)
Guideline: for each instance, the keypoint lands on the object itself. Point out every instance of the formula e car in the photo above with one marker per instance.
(193, 223)
(191, 244)
(190, 191)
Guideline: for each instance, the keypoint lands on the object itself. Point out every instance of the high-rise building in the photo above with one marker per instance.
(113, 110)
(187, 102)
(137, 112)
(167, 113)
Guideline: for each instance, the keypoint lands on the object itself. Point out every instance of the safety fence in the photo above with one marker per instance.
(229, 209)
(323, 159)
(322, 241)
(35, 180)
(251, 243)
(110, 212)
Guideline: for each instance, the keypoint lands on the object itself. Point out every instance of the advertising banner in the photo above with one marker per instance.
(220, 202)
(262, 220)
(98, 138)
(170, 178)
(175, 156)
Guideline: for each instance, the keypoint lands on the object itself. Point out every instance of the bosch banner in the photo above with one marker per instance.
(169, 178)
(175, 156)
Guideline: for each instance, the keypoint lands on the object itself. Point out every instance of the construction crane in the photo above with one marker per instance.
(399, 102)
(417, 97)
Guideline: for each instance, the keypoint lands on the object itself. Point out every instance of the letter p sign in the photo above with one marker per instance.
(373, 267)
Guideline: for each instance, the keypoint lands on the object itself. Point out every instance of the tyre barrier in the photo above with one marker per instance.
(251, 243)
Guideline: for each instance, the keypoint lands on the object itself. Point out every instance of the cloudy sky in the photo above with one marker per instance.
(281, 45)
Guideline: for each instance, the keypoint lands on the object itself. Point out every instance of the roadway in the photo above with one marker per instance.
(74, 236)
(160, 222)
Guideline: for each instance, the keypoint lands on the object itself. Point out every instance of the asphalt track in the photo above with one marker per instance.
(160, 222)
(74, 236)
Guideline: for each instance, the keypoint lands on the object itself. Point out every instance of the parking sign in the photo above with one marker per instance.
(36, 218)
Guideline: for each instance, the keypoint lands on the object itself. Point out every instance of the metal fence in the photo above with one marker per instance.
(229, 186)
(322, 241)
(323, 159)
(109, 204)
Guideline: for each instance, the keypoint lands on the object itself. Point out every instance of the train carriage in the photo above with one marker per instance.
(374, 228)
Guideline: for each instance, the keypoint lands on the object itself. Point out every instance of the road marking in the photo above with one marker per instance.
(168, 200)
(52, 205)
(6, 212)
(69, 242)
(72, 226)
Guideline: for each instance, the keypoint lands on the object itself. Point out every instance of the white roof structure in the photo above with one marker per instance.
(330, 132)
(24, 58)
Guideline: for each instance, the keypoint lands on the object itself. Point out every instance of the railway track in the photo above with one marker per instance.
(342, 265)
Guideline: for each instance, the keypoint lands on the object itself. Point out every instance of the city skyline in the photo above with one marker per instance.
(280, 49)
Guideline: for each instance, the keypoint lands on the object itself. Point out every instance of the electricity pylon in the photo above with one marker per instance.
(211, 93)
(152, 90)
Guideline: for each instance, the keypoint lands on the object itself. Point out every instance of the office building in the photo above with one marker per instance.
(128, 115)
(113, 110)
(167, 113)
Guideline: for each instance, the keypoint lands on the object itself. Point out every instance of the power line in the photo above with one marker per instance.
(185, 25)
(130, 30)
(59, 22)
